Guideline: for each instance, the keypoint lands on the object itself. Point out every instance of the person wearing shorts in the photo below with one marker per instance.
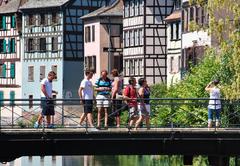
(117, 86)
(144, 103)
(130, 95)
(85, 93)
(47, 103)
(214, 105)
(103, 88)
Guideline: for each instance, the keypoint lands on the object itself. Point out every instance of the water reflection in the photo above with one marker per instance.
(121, 160)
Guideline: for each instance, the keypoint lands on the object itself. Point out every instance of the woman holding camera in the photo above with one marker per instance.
(214, 105)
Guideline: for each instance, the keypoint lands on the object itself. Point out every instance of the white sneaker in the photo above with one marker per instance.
(36, 125)
(217, 124)
(209, 124)
(93, 129)
(80, 126)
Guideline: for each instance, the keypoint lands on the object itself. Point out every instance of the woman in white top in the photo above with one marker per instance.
(214, 102)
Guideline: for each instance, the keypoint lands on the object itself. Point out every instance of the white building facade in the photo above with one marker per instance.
(145, 39)
(174, 35)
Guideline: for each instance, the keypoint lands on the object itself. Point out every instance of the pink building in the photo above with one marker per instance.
(103, 38)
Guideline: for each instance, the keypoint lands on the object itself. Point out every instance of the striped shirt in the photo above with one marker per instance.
(103, 83)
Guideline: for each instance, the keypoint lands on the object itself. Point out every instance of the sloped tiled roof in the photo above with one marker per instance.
(33, 4)
(116, 9)
(176, 15)
(10, 7)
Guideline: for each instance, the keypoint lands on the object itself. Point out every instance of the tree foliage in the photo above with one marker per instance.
(221, 61)
(225, 25)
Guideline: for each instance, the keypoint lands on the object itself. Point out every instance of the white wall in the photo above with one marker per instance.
(201, 37)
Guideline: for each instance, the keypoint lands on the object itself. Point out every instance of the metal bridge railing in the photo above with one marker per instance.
(165, 112)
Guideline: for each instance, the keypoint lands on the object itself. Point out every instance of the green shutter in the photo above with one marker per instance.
(13, 22)
(12, 70)
(4, 70)
(4, 25)
(1, 98)
(9, 46)
(12, 97)
(4, 46)
(13, 45)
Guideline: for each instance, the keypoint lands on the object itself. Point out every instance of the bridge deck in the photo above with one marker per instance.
(78, 141)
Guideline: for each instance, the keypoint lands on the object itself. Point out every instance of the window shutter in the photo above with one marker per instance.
(13, 22)
(46, 19)
(36, 46)
(26, 45)
(86, 63)
(42, 72)
(1, 98)
(93, 33)
(4, 25)
(94, 63)
(30, 73)
(4, 46)
(38, 20)
(13, 45)
(4, 70)
(27, 20)
(12, 70)
(12, 97)
(9, 45)
(54, 68)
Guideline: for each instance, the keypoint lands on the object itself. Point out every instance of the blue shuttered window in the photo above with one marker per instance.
(13, 22)
(13, 45)
(4, 46)
(12, 70)
(9, 46)
(1, 98)
(12, 97)
(4, 71)
(4, 25)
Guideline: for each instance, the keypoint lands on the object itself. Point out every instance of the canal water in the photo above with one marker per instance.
(120, 160)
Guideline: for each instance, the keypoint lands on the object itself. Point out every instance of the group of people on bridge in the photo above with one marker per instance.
(110, 93)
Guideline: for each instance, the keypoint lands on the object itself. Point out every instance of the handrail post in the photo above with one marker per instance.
(62, 113)
(0, 117)
(171, 103)
(12, 116)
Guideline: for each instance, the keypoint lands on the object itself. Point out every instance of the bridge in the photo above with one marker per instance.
(82, 141)
(168, 138)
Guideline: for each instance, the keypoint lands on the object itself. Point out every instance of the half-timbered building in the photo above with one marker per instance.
(174, 44)
(103, 38)
(194, 41)
(145, 39)
(53, 40)
(10, 55)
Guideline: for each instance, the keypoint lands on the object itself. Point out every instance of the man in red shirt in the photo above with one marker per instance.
(130, 95)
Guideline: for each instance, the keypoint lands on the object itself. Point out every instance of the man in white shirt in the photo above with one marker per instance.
(86, 95)
(46, 100)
